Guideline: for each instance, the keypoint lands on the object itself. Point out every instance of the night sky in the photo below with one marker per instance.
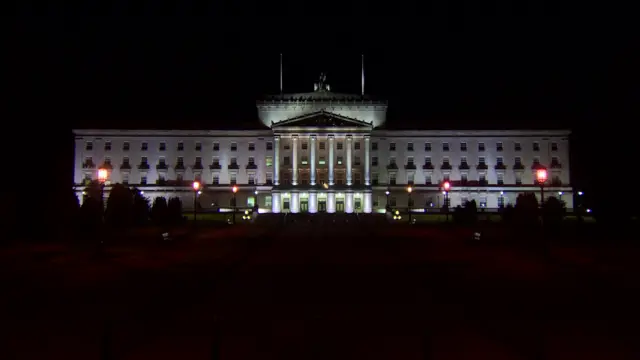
(69, 71)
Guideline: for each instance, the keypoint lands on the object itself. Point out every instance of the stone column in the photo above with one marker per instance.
(332, 144)
(367, 202)
(275, 202)
(312, 175)
(276, 165)
(367, 175)
(348, 206)
(331, 202)
(295, 202)
(349, 155)
(313, 202)
(294, 175)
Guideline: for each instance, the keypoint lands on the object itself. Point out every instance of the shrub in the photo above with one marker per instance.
(526, 209)
(174, 213)
(140, 211)
(119, 210)
(553, 211)
(160, 211)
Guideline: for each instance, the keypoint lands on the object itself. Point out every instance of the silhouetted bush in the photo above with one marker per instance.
(140, 209)
(508, 214)
(90, 213)
(174, 212)
(553, 211)
(119, 212)
(467, 215)
(160, 211)
(526, 209)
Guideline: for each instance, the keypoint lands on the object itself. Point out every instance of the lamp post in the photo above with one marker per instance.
(446, 186)
(541, 178)
(196, 190)
(235, 190)
(409, 189)
(102, 178)
(387, 207)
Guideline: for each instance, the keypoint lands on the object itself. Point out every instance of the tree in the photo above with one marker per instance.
(174, 212)
(553, 211)
(140, 211)
(526, 209)
(508, 214)
(119, 210)
(160, 211)
(91, 213)
(467, 215)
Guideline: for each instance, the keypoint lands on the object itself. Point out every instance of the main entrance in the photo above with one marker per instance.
(304, 205)
(322, 205)
(339, 205)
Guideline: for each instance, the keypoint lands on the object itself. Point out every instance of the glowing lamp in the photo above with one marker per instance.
(446, 186)
(387, 192)
(541, 175)
(102, 175)
(234, 189)
(409, 189)
(196, 185)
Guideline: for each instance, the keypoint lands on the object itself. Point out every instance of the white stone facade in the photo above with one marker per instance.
(332, 158)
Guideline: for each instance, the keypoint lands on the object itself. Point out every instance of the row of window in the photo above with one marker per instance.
(555, 162)
(464, 179)
(463, 146)
(322, 145)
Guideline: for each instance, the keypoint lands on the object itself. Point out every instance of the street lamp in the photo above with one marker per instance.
(541, 178)
(196, 191)
(446, 186)
(409, 189)
(102, 178)
(235, 190)
(387, 207)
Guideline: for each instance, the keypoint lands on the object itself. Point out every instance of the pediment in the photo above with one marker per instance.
(322, 119)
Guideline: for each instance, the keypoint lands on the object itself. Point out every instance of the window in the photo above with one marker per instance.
(392, 179)
(143, 179)
(126, 146)
(481, 146)
(554, 146)
(446, 177)
(339, 160)
(304, 145)
(410, 178)
(198, 146)
(392, 200)
(463, 146)
(251, 178)
(88, 161)
(356, 178)
(180, 146)
(536, 146)
(321, 160)
(464, 178)
(286, 160)
(483, 202)
(445, 162)
(374, 161)
(482, 161)
(500, 179)
(392, 146)
(517, 147)
(499, 146)
(410, 146)
(463, 161)
(501, 201)
(392, 160)
(216, 146)
(374, 178)
(322, 145)
(143, 160)
(427, 179)
(198, 162)
(518, 161)
(339, 145)
(267, 201)
(356, 160)
(410, 161)
(252, 147)
(125, 161)
(144, 146)
(269, 178)
(427, 146)
(125, 178)
(536, 161)
(374, 146)
(251, 161)
(107, 146)
(180, 177)
(215, 162)
(197, 177)
(269, 146)
(88, 146)
(482, 178)
(215, 179)
(287, 146)
(445, 146)
(356, 145)
(555, 161)
(233, 178)
(427, 160)
(234, 147)
(107, 161)
(304, 160)
(268, 161)
(180, 161)
(518, 178)
(162, 162)
(233, 161)
(499, 161)
(162, 146)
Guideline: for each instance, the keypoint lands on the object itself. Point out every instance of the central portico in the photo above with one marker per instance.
(322, 150)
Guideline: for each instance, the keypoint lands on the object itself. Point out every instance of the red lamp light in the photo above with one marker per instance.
(446, 186)
(196, 185)
(102, 175)
(234, 189)
(541, 176)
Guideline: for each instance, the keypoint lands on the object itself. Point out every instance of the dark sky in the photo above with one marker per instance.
(528, 70)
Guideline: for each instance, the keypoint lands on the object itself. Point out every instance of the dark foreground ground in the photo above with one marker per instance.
(320, 290)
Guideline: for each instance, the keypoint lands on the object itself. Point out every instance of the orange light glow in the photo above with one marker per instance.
(409, 189)
(196, 185)
(234, 189)
(446, 186)
(541, 175)
(102, 175)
